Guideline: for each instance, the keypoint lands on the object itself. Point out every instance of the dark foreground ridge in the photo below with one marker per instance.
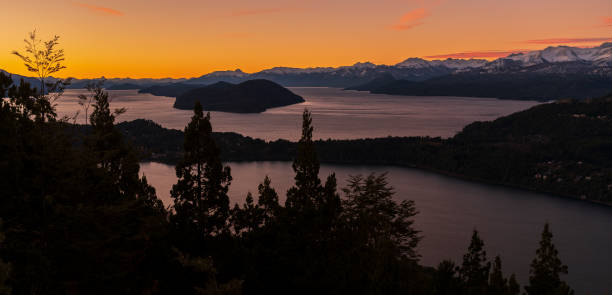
(564, 148)
(253, 96)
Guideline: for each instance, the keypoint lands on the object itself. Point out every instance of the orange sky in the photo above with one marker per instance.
(187, 38)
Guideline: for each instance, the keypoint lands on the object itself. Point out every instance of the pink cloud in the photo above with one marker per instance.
(478, 54)
(411, 19)
(100, 9)
(607, 21)
(567, 40)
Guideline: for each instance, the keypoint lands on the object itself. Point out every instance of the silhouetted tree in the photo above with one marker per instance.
(268, 202)
(474, 271)
(41, 58)
(201, 204)
(308, 198)
(109, 151)
(500, 285)
(545, 269)
(44, 59)
(446, 281)
(370, 211)
(251, 216)
(513, 286)
(497, 282)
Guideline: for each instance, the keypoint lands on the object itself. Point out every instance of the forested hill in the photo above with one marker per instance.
(563, 148)
(252, 96)
(525, 86)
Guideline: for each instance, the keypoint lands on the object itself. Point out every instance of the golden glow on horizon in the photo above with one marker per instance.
(188, 38)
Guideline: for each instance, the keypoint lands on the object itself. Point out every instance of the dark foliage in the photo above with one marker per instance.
(545, 269)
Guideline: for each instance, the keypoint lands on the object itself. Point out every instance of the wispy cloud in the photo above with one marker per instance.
(567, 40)
(100, 9)
(411, 19)
(478, 54)
(247, 12)
(607, 21)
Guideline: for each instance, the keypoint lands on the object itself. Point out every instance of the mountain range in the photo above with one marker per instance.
(559, 60)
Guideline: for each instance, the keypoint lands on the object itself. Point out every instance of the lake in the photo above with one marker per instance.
(336, 113)
(510, 221)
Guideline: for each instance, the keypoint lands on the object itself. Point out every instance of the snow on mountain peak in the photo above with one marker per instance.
(414, 63)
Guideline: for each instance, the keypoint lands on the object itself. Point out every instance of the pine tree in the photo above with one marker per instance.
(371, 212)
(306, 167)
(497, 283)
(268, 202)
(201, 204)
(109, 151)
(474, 271)
(446, 281)
(545, 269)
(513, 286)
(308, 198)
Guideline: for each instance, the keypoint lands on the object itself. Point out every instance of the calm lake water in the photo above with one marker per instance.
(510, 221)
(337, 113)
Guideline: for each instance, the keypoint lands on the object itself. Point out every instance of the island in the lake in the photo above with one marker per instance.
(253, 96)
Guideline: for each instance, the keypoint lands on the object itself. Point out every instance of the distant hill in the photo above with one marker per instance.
(526, 86)
(375, 83)
(253, 96)
(170, 90)
(125, 86)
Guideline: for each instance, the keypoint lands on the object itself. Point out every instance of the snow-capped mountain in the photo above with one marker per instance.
(451, 63)
(552, 60)
(598, 56)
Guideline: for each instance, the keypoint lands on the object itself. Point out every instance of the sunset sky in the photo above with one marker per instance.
(187, 38)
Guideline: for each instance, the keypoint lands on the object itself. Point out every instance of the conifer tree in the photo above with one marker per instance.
(446, 281)
(308, 196)
(306, 167)
(546, 269)
(268, 202)
(201, 204)
(112, 154)
(513, 286)
(474, 271)
(497, 283)
(370, 212)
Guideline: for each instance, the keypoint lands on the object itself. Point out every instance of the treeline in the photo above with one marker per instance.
(564, 148)
(78, 219)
